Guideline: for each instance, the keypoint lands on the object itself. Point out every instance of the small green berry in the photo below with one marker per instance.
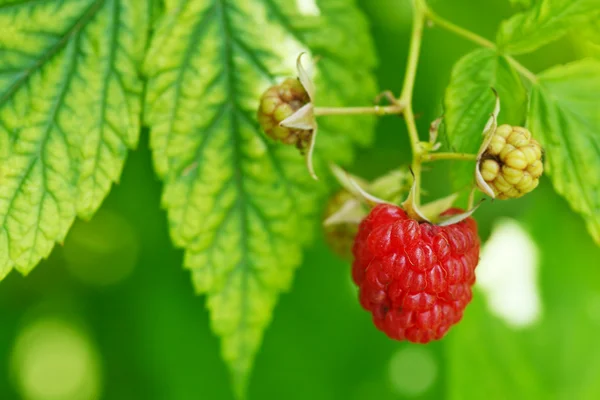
(278, 103)
(339, 236)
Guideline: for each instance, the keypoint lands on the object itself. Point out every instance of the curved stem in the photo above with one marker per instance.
(458, 30)
(475, 38)
(416, 150)
(413, 52)
(374, 110)
(448, 156)
(521, 69)
(407, 93)
(421, 13)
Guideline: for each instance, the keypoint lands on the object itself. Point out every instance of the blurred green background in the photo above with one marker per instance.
(112, 314)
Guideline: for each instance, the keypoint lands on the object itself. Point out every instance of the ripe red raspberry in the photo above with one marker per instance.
(415, 278)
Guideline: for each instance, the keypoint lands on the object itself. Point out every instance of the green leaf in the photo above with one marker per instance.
(565, 115)
(70, 100)
(241, 205)
(587, 39)
(547, 21)
(469, 101)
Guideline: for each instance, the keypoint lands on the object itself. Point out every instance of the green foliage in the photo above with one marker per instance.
(495, 356)
(241, 205)
(70, 99)
(556, 354)
(469, 101)
(521, 3)
(565, 114)
(547, 21)
(77, 78)
(563, 108)
(587, 38)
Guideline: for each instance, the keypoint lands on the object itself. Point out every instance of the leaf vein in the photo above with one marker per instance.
(48, 54)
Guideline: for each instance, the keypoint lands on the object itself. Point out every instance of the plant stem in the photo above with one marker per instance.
(475, 38)
(421, 13)
(458, 30)
(413, 53)
(448, 156)
(521, 69)
(374, 110)
(407, 93)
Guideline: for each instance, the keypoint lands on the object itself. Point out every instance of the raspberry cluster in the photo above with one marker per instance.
(278, 103)
(415, 278)
(512, 163)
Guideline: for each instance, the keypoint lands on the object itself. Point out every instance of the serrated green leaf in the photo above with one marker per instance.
(546, 21)
(241, 205)
(469, 101)
(70, 100)
(565, 114)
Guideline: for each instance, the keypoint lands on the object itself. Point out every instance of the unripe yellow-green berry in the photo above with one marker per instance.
(340, 236)
(278, 103)
(512, 163)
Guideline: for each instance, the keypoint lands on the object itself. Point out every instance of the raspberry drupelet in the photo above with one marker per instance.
(415, 278)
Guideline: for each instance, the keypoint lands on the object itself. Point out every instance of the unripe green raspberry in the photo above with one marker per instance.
(340, 236)
(512, 163)
(278, 103)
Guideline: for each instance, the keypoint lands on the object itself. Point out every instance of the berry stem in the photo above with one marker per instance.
(458, 30)
(521, 69)
(407, 93)
(448, 156)
(475, 38)
(413, 53)
(374, 110)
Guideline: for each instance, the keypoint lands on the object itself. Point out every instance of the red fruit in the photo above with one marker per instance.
(414, 277)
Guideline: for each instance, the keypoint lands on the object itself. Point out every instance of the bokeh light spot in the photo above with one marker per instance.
(103, 251)
(507, 274)
(412, 371)
(308, 7)
(53, 359)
